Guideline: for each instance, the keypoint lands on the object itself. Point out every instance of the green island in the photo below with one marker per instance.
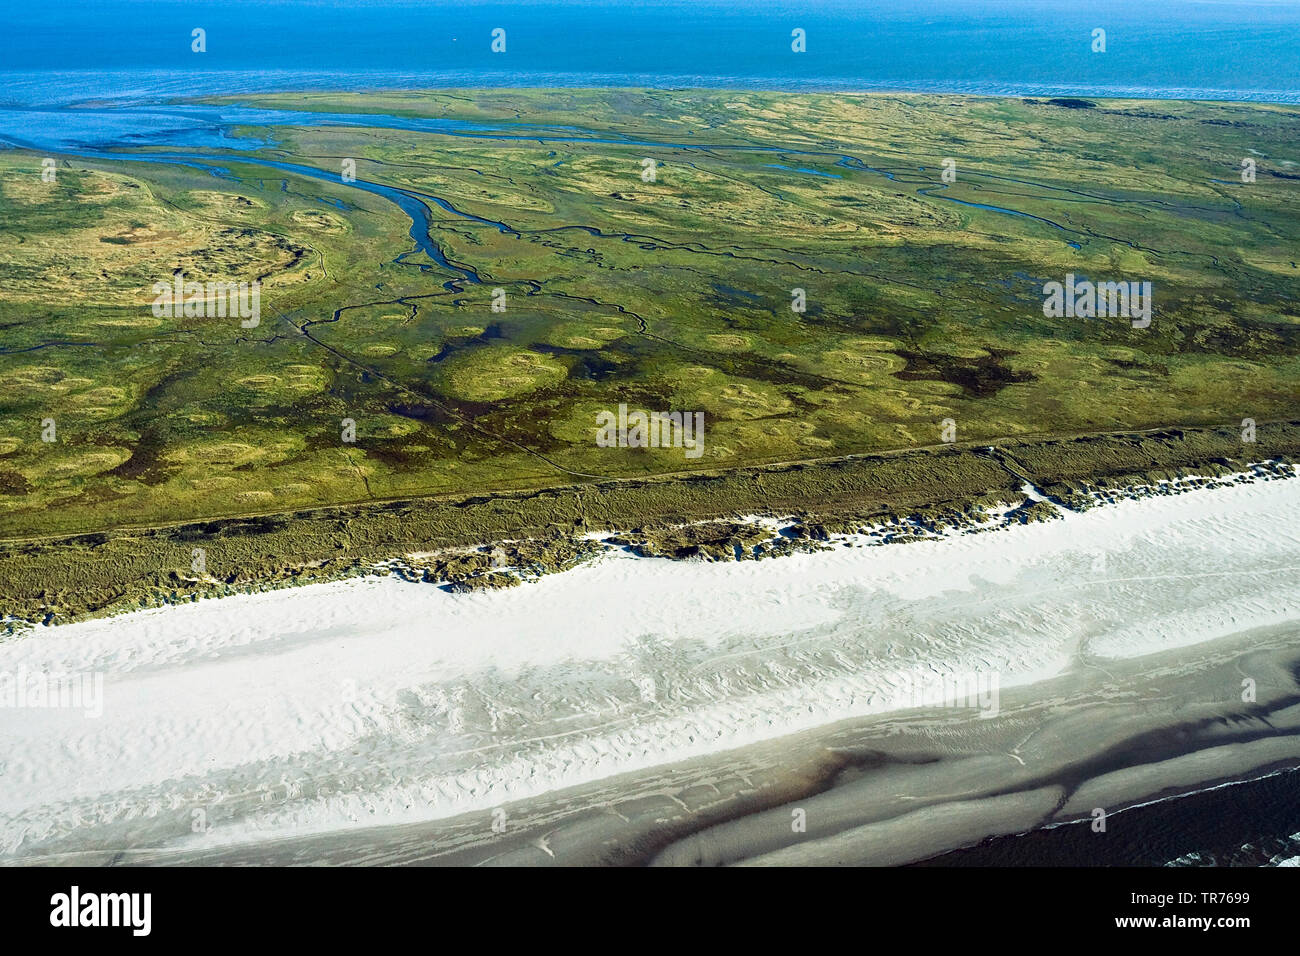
(485, 289)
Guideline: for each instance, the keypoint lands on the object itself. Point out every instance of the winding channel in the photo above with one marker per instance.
(219, 120)
(216, 124)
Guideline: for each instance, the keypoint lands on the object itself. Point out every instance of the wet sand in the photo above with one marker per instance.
(888, 790)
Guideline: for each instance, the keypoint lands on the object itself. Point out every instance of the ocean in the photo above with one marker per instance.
(1249, 823)
(140, 50)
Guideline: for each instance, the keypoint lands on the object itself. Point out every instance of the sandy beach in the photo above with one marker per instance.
(640, 710)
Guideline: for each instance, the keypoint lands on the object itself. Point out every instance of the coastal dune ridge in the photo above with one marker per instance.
(375, 701)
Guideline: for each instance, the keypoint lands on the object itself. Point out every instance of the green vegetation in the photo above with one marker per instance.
(447, 540)
(666, 295)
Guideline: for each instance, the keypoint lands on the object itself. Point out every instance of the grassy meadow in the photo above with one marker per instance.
(671, 294)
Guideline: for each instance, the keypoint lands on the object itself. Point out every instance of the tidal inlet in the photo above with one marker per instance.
(598, 436)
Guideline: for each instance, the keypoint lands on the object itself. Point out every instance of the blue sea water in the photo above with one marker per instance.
(804, 169)
(1248, 823)
(140, 50)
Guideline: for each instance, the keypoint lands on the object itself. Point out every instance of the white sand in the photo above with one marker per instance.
(378, 701)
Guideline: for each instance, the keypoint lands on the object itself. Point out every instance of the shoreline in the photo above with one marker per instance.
(988, 852)
(406, 81)
(916, 788)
